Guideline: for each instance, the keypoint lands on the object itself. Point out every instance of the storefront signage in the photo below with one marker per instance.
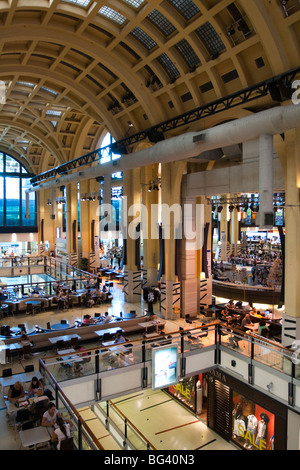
(184, 391)
(259, 444)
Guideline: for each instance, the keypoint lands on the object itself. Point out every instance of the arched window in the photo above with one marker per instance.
(14, 181)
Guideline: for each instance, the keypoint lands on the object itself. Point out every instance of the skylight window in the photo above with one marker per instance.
(52, 112)
(188, 53)
(143, 37)
(161, 22)
(112, 15)
(168, 65)
(134, 3)
(187, 8)
(210, 38)
(49, 90)
(81, 3)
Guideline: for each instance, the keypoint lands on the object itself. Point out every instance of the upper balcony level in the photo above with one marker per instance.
(97, 376)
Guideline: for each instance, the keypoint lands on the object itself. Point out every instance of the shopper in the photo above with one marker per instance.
(61, 432)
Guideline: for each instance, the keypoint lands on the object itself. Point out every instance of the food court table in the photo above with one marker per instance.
(66, 338)
(60, 326)
(34, 436)
(155, 323)
(108, 331)
(23, 377)
(34, 303)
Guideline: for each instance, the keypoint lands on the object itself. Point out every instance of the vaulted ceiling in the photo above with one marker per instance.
(75, 69)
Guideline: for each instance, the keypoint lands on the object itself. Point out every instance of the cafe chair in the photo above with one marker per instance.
(39, 414)
(6, 372)
(26, 352)
(74, 342)
(67, 444)
(60, 344)
(22, 417)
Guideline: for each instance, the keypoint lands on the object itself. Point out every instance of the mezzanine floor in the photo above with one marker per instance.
(165, 422)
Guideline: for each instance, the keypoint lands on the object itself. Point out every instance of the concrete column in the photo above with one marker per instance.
(171, 175)
(45, 212)
(131, 217)
(85, 225)
(266, 151)
(205, 286)
(223, 232)
(72, 222)
(291, 318)
(190, 259)
(150, 243)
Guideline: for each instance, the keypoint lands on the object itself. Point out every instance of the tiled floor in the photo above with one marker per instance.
(168, 424)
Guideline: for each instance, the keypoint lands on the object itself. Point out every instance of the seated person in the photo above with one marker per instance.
(119, 338)
(107, 318)
(15, 392)
(225, 314)
(230, 304)
(41, 400)
(263, 328)
(62, 431)
(35, 386)
(24, 340)
(50, 416)
(246, 322)
(87, 319)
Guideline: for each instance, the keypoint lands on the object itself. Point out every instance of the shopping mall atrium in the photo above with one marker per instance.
(150, 186)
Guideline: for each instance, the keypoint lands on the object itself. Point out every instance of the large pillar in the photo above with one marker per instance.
(190, 258)
(266, 181)
(291, 318)
(224, 231)
(150, 244)
(72, 222)
(131, 220)
(205, 295)
(171, 217)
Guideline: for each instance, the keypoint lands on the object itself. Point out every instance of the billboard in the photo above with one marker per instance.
(164, 366)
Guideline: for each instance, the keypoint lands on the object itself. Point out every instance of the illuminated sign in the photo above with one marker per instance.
(164, 366)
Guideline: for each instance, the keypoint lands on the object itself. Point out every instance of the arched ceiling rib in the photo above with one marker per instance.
(77, 67)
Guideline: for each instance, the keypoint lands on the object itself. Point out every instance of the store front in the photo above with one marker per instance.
(189, 392)
(238, 413)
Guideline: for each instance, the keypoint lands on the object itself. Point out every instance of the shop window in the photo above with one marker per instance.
(252, 425)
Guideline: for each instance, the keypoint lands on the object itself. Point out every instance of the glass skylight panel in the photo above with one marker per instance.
(112, 15)
(134, 3)
(31, 85)
(82, 3)
(161, 22)
(186, 8)
(210, 38)
(188, 53)
(143, 37)
(168, 65)
(52, 112)
(49, 90)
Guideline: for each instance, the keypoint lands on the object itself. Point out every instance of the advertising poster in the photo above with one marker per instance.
(164, 366)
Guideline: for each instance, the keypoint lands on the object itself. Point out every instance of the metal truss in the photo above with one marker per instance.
(278, 87)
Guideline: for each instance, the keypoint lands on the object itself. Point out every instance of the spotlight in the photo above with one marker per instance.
(213, 208)
(150, 189)
(231, 208)
(238, 208)
(220, 208)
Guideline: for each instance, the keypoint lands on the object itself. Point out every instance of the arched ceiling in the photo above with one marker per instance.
(75, 69)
